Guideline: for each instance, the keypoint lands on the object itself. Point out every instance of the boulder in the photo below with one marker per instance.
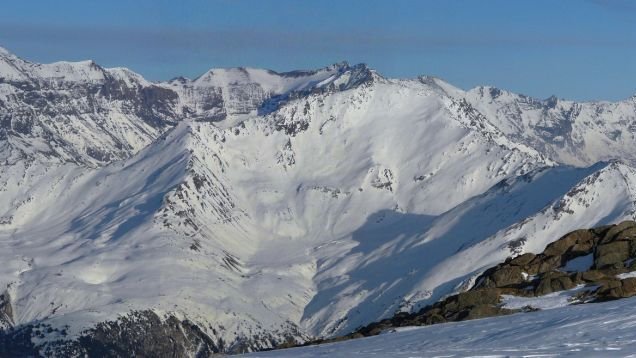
(600, 231)
(592, 276)
(435, 318)
(612, 233)
(542, 264)
(553, 282)
(523, 260)
(628, 234)
(482, 311)
(585, 240)
(628, 285)
(561, 246)
(550, 263)
(477, 297)
(611, 255)
(610, 289)
(507, 276)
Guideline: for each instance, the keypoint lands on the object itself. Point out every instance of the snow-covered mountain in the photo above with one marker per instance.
(262, 207)
(569, 132)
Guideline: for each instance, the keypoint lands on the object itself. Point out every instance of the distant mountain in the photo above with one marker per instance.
(247, 208)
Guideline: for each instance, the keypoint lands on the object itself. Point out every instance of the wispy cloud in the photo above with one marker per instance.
(617, 5)
(171, 39)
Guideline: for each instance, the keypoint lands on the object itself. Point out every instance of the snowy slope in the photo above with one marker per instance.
(569, 132)
(593, 330)
(263, 206)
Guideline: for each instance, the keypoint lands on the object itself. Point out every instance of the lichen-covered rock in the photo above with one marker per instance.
(629, 286)
(614, 231)
(628, 234)
(482, 311)
(554, 282)
(478, 297)
(615, 289)
(522, 260)
(542, 264)
(611, 255)
(582, 239)
(507, 276)
(593, 276)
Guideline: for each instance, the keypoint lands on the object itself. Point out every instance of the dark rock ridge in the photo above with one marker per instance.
(6, 311)
(609, 250)
(137, 334)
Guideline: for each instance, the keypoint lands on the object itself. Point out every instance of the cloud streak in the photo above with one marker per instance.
(241, 40)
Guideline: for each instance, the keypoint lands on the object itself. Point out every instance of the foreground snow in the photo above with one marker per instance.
(590, 330)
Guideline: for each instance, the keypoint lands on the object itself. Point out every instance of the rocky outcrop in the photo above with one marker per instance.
(139, 334)
(136, 334)
(6, 311)
(611, 251)
(145, 334)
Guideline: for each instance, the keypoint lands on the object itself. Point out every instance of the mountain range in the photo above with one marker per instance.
(248, 208)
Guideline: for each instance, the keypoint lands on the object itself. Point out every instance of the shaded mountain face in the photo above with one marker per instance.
(252, 208)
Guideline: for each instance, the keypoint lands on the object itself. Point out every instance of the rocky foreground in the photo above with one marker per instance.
(598, 261)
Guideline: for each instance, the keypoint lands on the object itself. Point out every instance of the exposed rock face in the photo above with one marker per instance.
(612, 248)
(6, 311)
(616, 246)
(81, 112)
(140, 334)
(144, 334)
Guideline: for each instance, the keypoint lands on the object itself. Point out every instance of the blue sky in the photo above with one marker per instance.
(583, 49)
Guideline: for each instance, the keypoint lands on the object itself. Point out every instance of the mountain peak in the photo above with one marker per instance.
(5, 52)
